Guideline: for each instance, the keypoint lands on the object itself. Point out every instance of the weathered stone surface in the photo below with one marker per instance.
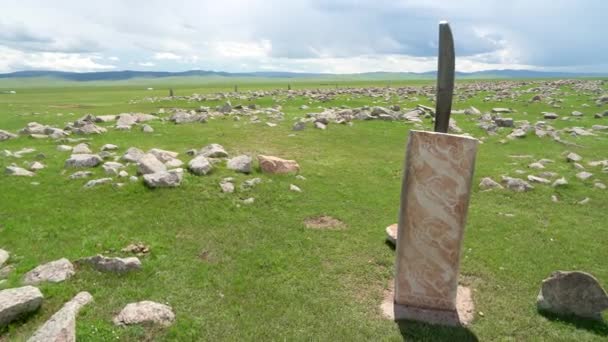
(81, 148)
(584, 175)
(501, 110)
(240, 163)
(148, 164)
(560, 182)
(112, 168)
(573, 292)
(133, 155)
(64, 148)
(13, 170)
(213, 151)
(295, 188)
(54, 272)
(200, 165)
(391, 233)
(89, 128)
(114, 265)
(535, 179)
(516, 184)
(81, 174)
(550, 116)
(573, 157)
(36, 166)
(4, 256)
(163, 155)
(488, 183)
(18, 302)
(83, 160)
(109, 147)
(320, 125)
(504, 122)
(164, 179)
(4, 135)
(431, 224)
(227, 187)
(61, 327)
(147, 129)
(275, 165)
(145, 312)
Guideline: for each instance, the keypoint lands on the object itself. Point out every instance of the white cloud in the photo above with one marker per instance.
(114, 58)
(146, 64)
(166, 56)
(13, 59)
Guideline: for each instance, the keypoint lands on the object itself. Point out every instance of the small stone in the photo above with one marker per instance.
(517, 184)
(293, 187)
(4, 256)
(61, 327)
(133, 155)
(81, 149)
(240, 164)
(275, 165)
(18, 171)
(213, 151)
(136, 248)
(535, 179)
(573, 157)
(298, 126)
(64, 148)
(96, 182)
(112, 168)
(83, 160)
(18, 302)
(320, 125)
(584, 200)
(133, 179)
(147, 128)
(600, 186)
(554, 199)
(584, 175)
(123, 174)
(250, 183)
(145, 312)
(249, 200)
(113, 265)
(488, 183)
(148, 164)
(391, 233)
(550, 116)
(200, 165)
(4, 135)
(81, 174)
(109, 147)
(227, 187)
(560, 182)
(54, 272)
(537, 166)
(578, 166)
(573, 292)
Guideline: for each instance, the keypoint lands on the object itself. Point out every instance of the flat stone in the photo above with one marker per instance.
(95, 182)
(560, 182)
(64, 148)
(298, 126)
(501, 110)
(61, 327)
(537, 166)
(550, 116)
(164, 179)
(145, 312)
(113, 265)
(18, 171)
(213, 151)
(147, 128)
(4, 135)
(18, 302)
(295, 188)
(54, 272)
(584, 175)
(573, 157)
(391, 233)
(133, 155)
(81, 174)
(517, 184)
(572, 292)
(83, 160)
(275, 165)
(112, 168)
(148, 164)
(535, 179)
(200, 165)
(109, 147)
(36, 166)
(227, 187)
(81, 149)
(250, 183)
(240, 163)
(163, 155)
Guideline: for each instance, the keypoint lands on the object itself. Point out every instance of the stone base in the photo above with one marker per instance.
(463, 315)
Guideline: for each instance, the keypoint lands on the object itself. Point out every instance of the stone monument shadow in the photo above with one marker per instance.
(418, 331)
(599, 328)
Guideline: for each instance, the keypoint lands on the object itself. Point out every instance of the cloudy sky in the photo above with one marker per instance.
(336, 36)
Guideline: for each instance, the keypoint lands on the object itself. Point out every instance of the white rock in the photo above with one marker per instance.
(64, 148)
(61, 327)
(249, 200)
(213, 151)
(114, 265)
(54, 272)
(4, 256)
(36, 166)
(163, 155)
(240, 163)
(18, 171)
(81, 174)
(145, 312)
(96, 182)
(18, 302)
(109, 147)
(81, 149)
(560, 182)
(164, 179)
(200, 165)
(83, 160)
(148, 164)
(584, 175)
(133, 155)
(293, 187)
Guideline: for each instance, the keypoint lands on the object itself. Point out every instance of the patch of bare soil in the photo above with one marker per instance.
(324, 222)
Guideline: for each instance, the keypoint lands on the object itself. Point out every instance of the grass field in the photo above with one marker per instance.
(264, 276)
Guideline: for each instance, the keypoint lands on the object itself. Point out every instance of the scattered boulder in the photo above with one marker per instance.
(95, 182)
(391, 233)
(240, 163)
(148, 164)
(295, 188)
(81, 149)
(572, 293)
(81, 174)
(83, 160)
(4, 135)
(133, 155)
(147, 128)
(213, 151)
(164, 179)
(145, 312)
(200, 165)
(517, 184)
(584, 175)
(573, 157)
(275, 165)
(61, 327)
(13, 170)
(560, 182)
(54, 272)
(113, 265)
(18, 302)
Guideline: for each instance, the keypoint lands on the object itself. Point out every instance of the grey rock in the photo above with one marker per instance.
(537, 166)
(6, 271)
(4, 135)
(535, 179)
(501, 110)
(133, 155)
(54, 272)
(599, 128)
(109, 147)
(249, 200)
(250, 183)
(550, 116)
(295, 188)
(584, 175)
(147, 129)
(96, 182)
(320, 125)
(81, 174)
(227, 187)
(113, 265)
(298, 126)
(560, 182)
(83, 160)
(13, 170)
(61, 327)
(504, 122)
(573, 157)
(200, 165)
(488, 183)
(81, 149)
(517, 184)
(89, 128)
(472, 111)
(64, 148)
(163, 155)
(164, 179)
(112, 168)
(213, 151)
(145, 312)
(149, 164)
(240, 163)
(572, 293)
(517, 133)
(18, 302)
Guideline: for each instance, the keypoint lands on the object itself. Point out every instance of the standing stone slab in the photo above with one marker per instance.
(17, 302)
(61, 327)
(434, 201)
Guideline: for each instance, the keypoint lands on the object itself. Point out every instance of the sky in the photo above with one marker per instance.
(331, 36)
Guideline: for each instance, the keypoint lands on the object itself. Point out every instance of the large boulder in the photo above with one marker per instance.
(275, 165)
(200, 165)
(150, 164)
(18, 302)
(145, 312)
(240, 164)
(61, 327)
(572, 293)
(54, 272)
(83, 160)
(164, 179)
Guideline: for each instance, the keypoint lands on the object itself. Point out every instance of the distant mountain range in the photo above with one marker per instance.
(129, 74)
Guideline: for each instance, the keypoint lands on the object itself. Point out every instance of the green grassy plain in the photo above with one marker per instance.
(264, 275)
